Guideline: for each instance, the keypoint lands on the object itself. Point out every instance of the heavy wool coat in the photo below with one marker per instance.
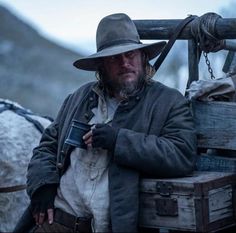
(156, 138)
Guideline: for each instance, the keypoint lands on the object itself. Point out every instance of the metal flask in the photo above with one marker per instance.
(77, 131)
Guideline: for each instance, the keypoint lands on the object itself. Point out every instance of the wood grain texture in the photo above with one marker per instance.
(163, 29)
(204, 201)
(216, 124)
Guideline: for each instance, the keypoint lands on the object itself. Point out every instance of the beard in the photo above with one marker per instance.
(122, 87)
(129, 88)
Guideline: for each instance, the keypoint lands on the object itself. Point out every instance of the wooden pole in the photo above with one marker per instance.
(225, 28)
(193, 60)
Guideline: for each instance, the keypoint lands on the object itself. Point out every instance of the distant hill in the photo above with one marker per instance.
(35, 72)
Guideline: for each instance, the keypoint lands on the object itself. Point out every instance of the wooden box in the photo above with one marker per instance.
(202, 202)
(215, 123)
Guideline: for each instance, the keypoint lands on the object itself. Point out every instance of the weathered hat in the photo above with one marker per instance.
(117, 34)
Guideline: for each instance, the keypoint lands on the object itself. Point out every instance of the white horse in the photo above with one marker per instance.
(20, 132)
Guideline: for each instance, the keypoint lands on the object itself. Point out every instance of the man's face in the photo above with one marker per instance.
(123, 72)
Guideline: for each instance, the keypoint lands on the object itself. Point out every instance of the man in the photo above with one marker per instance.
(140, 128)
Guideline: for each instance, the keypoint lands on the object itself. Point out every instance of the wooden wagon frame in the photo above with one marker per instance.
(225, 28)
(212, 128)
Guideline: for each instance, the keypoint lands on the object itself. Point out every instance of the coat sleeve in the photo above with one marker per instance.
(42, 167)
(171, 153)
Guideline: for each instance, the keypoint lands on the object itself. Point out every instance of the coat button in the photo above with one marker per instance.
(59, 165)
(137, 98)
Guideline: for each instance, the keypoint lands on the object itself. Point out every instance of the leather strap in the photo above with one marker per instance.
(172, 40)
(11, 189)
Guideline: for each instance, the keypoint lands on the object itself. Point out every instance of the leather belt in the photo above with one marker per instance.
(77, 224)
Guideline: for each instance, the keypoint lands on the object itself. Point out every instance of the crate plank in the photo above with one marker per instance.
(215, 123)
(207, 162)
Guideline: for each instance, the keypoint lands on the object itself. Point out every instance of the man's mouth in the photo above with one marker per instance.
(126, 72)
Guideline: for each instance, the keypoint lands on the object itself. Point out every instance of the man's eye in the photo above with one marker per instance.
(113, 58)
(130, 54)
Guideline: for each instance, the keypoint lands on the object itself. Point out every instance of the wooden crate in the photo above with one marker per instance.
(215, 123)
(202, 202)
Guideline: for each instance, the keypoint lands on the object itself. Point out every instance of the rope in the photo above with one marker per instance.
(203, 30)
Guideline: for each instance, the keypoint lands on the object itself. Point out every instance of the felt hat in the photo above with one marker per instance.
(117, 34)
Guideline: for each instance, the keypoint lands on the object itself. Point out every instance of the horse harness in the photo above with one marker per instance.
(27, 115)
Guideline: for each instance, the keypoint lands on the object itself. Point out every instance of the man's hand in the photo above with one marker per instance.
(103, 136)
(42, 204)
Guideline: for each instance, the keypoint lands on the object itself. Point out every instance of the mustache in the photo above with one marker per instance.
(125, 70)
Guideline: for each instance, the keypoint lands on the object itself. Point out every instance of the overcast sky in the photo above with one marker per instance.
(73, 22)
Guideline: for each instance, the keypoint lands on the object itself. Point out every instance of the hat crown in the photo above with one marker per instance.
(116, 29)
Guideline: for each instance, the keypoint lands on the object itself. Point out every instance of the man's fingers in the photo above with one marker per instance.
(41, 218)
(36, 218)
(50, 215)
(88, 135)
(88, 138)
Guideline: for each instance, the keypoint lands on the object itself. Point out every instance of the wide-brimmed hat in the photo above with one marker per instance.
(116, 34)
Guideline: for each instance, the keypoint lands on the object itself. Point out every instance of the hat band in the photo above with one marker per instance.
(117, 42)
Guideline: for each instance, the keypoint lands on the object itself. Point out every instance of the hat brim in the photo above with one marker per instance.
(92, 62)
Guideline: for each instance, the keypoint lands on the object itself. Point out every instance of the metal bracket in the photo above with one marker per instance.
(166, 206)
(165, 189)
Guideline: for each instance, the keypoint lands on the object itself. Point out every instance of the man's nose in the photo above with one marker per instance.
(124, 61)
